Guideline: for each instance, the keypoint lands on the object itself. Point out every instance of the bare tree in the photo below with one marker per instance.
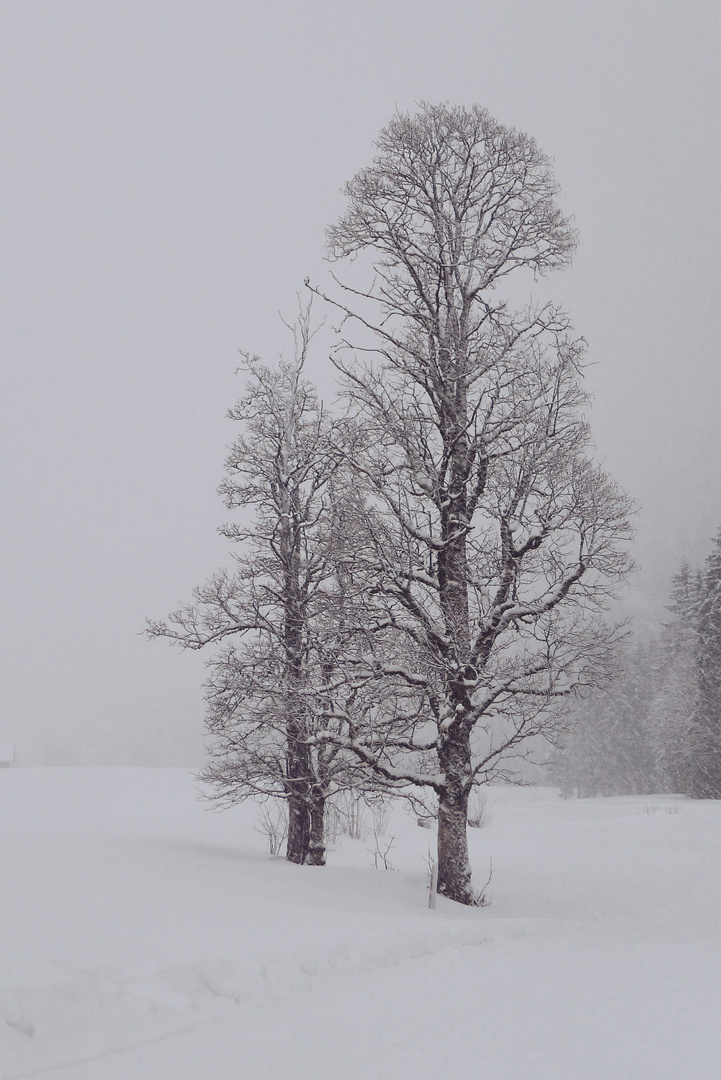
(271, 616)
(490, 536)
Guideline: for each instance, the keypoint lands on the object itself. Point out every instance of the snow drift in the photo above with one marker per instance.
(142, 935)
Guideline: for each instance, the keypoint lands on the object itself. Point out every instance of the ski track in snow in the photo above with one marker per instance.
(143, 937)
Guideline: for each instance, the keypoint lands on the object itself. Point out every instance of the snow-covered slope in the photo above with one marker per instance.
(143, 936)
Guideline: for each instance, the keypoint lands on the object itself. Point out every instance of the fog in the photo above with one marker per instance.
(168, 173)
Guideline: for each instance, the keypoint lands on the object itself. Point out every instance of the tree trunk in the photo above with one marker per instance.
(454, 750)
(299, 827)
(454, 868)
(316, 846)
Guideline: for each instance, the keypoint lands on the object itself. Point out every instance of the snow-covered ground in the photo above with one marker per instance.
(144, 937)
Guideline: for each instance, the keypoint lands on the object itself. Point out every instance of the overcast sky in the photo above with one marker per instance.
(168, 170)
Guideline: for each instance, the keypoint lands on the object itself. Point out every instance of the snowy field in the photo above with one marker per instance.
(144, 937)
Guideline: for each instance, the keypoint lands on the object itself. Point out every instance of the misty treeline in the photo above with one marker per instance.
(657, 727)
(418, 579)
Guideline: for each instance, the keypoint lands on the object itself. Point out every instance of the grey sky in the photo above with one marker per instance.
(168, 170)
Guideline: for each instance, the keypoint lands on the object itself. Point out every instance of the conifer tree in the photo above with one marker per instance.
(677, 681)
(705, 730)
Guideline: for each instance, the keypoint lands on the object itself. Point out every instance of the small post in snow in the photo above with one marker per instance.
(434, 884)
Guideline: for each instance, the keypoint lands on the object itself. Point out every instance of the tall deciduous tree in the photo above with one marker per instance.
(271, 616)
(492, 535)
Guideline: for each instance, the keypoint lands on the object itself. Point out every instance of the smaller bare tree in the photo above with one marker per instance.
(272, 616)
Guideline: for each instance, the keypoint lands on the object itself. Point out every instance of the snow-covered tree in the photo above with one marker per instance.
(637, 735)
(615, 743)
(275, 618)
(677, 682)
(493, 538)
(704, 778)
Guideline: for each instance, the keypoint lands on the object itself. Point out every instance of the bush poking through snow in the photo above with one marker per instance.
(273, 825)
(346, 815)
(381, 850)
(478, 812)
(482, 897)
